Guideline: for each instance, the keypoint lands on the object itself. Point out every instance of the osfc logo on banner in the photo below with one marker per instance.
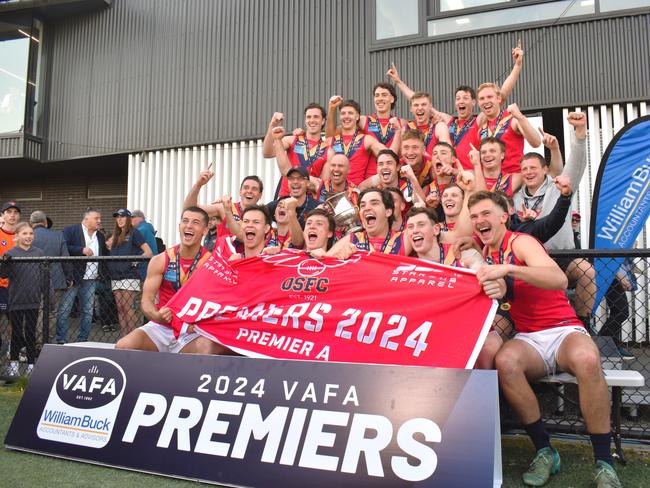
(83, 403)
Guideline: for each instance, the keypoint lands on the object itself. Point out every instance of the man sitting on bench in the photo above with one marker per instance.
(549, 337)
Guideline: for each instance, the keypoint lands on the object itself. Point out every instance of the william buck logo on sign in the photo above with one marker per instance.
(83, 403)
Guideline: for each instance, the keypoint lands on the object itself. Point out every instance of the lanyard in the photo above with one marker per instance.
(385, 132)
(366, 244)
(180, 280)
(457, 135)
(497, 185)
(500, 126)
(538, 200)
(310, 156)
(346, 151)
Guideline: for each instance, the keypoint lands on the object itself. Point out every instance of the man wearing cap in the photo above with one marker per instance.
(575, 225)
(298, 179)
(82, 240)
(148, 232)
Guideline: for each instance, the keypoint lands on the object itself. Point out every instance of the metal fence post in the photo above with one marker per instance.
(45, 287)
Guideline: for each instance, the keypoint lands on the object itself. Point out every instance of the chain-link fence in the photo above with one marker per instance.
(58, 300)
(66, 299)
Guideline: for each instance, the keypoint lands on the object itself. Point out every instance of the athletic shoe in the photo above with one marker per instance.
(545, 463)
(12, 369)
(625, 354)
(605, 476)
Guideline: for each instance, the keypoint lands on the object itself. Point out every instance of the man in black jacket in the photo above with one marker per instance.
(82, 240)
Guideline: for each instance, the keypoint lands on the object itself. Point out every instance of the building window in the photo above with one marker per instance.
(449, 5)
(492, 19)
(400, 23)
(396, 18)
(19, 72)
(612, 5)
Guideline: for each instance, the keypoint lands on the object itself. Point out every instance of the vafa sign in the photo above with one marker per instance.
(252, 422)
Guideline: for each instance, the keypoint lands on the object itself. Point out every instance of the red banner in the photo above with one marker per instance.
(371, 308)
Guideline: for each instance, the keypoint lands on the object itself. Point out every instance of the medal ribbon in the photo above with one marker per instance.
(502, 123)
(457, 135)
(385, 133)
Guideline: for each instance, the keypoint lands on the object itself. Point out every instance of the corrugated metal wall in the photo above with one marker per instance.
(159, 180)
(167, 73)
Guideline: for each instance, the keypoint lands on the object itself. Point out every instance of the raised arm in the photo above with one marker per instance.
(191, 200)
(393, 75)
(396, 145)
(332, 108)
(550, 142)
(442, 132)
(522, 125)
(267, 145)
(232, 224)
(479, 177)
(297, 238)
(279, 151)
(510, 82)
(577, 160)
(418, 192)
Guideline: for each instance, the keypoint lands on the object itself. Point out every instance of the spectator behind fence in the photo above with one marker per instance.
(147, 230)
(211, 237)
(52, 243)
(82, 240)
(10, 216)
(24, 297)
(125, 277)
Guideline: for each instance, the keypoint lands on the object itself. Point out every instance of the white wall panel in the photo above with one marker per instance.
(159, 180)
(604, 122)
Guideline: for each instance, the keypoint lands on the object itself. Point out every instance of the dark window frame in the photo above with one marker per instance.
(429, 10)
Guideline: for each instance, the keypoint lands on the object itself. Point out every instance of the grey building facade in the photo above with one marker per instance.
(120, 77)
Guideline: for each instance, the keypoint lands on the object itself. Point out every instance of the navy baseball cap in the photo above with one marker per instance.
(123, 212)
(300, 170)
(10, 204)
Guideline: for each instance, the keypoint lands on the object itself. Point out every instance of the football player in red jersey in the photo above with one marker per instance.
(166, 274)
(353, 142)
(305, 148)
(464, 127)
(378, 124)
(549, 338)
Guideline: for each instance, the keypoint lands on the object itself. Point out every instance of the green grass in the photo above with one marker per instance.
(25, 470)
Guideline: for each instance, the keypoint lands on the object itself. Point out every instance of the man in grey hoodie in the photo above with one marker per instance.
(538, 193)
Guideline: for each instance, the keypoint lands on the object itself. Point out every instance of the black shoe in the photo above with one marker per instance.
(625, 354)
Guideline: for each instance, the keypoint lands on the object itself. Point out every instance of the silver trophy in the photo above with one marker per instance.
(346, 215)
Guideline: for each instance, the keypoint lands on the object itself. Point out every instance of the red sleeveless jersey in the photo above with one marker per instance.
(380, 129)
(177, 272)
(502, 183)
(429, 133)
(354, 148)
(501, 128)
(532, 308)
(310, 154)
(392, 243)
(463, 133)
